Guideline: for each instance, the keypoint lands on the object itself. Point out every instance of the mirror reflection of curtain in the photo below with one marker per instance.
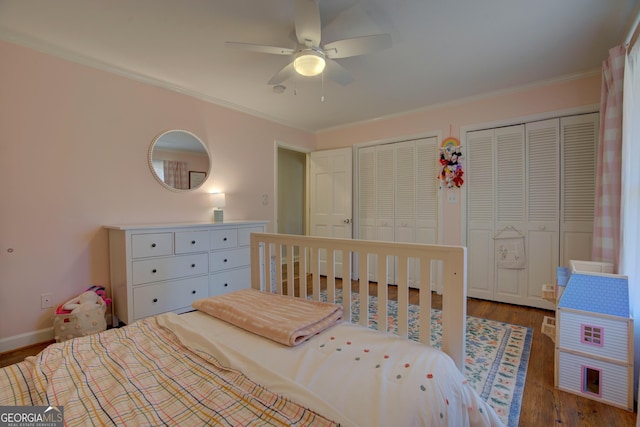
(175, 174)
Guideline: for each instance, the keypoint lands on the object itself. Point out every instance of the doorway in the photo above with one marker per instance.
(292, 187)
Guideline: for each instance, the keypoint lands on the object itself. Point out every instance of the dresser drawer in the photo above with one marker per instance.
(232, 258)
(192, 241)
(152, 244)
(158, 269)
(223, 239)
(244, 238)
(155, 299)
(229, 281)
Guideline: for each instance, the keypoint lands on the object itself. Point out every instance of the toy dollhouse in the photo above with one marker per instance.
(594, 337)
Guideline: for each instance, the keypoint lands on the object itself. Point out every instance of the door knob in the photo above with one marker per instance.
(347, 221)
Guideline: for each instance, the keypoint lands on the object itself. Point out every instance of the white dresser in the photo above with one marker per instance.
(165, 267)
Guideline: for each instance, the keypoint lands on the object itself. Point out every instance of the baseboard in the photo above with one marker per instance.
(31, 338)
(26, 339)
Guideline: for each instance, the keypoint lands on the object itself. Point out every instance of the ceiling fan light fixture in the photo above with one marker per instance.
(309, 63)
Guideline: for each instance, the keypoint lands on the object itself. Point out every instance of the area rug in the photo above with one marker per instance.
(497, 353)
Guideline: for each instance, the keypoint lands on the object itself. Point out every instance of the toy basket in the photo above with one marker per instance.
(71, 325)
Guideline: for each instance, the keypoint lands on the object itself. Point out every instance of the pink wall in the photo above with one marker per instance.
(499, 108)
(73, 156)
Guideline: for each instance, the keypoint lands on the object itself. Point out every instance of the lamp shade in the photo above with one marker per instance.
(217, 200)
(309, 63)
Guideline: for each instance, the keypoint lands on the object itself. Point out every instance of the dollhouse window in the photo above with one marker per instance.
(592, 335)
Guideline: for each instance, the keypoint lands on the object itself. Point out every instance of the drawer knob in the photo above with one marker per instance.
(193, 242)
(224, 239)
(225, 260)
(193, 292)
(193, 265)
(153, 245)
(155, 300)
(226, 284)
(154, 271)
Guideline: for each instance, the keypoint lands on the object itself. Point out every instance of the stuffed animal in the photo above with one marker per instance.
(86, 301)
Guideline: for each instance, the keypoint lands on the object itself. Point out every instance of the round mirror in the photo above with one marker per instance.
(179, 160)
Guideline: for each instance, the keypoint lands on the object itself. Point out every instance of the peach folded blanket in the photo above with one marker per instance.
(284, 319)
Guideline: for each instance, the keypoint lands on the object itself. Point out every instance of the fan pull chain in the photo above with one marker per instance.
(322, 86)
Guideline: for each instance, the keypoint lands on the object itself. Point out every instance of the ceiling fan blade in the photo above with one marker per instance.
(337, 73)
(357, 46)
(307, 22)
(285, 73)
(260, 48)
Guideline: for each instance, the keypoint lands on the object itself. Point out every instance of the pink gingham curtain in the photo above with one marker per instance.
(630, 206)
(606, 232)
(175, 174)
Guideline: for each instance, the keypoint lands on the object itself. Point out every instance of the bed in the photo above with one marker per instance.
(312, 366)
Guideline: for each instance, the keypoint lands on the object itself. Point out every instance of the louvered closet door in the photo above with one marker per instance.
(367, 202)
(366, 193)
(480, 212)
(579, 135)
(405, 191)
(397, 197)
(426, 197)
(542, 242)
(416, 196)
(385, 204)
(426, 203)
(510, 205)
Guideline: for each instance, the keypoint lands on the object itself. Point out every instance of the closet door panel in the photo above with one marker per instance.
(405, 191)
(384, 193)
(426, 191)
(480, 212)
(426, 206)
(579, 135)
(508, 285)
(510, 176)
(366, 193)
(543, 182)
(510, 165)
(542, 257)
(480, 261)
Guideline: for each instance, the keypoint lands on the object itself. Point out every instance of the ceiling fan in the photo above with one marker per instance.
(310, 58)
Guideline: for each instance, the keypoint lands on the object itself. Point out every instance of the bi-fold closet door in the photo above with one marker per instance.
(397, 196)
(532, 185)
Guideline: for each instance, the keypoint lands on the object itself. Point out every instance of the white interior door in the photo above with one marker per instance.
(331, 178)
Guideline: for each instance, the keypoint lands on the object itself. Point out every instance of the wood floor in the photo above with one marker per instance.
(542, 405)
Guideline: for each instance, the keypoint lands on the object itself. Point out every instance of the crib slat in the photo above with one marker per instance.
(403, 296)
(331, 276)
(315, 272)
(347, 259)
(424, 323)
(363, 289)
(383, 294)
(302, 266)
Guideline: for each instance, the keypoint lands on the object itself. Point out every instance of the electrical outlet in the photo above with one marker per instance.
(265, 199)
(46, 300)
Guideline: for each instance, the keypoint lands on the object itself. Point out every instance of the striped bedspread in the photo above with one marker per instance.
(142, 375)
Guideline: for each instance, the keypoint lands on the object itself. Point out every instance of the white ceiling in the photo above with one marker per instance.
(443, 50)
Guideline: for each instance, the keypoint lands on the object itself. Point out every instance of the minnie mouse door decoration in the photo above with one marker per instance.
(451, 163)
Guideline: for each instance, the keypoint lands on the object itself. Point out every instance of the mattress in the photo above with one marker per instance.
(193, 369)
